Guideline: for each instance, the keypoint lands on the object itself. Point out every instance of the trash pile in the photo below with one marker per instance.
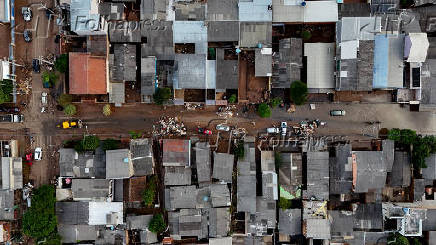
(193, 106)
(226, 111)
(24, 80)
(170, 126)
(307, 128)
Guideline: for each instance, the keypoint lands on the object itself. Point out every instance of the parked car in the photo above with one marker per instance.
(205, 131)
(284, 127)
(38, 154)
(222, 127)
(27, 34)
(273, 130)
(36, 65)
(9, 109)
(337, 113)
(27, 13)
(44, 98)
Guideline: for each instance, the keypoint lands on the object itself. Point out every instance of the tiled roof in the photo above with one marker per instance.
(88, 74)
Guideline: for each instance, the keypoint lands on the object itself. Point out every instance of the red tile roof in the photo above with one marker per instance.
(88, 74)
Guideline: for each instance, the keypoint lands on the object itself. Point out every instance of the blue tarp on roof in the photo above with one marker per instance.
(381, 62)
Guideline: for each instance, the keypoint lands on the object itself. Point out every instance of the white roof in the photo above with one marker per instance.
(358, 28)
(220, 241)
(4, 70)
(320, 65)
(417, 51)
(314, 11)
(349, 49)
(105, 213)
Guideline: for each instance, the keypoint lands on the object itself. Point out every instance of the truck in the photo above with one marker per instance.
(14, 118)
(75, 123)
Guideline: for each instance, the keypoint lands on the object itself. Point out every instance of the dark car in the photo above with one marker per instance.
(9, 109)
(36, 65)
(27, 36)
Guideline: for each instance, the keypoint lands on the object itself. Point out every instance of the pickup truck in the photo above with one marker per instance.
(15, 118)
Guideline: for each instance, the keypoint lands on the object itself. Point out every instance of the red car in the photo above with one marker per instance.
(205, 131)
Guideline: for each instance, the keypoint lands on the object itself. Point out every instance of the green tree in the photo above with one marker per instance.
(285, 203)
(110, 144)
(157, 224)
(6, 88)
(162, 95)
(39, 221)
(263, 110)
(70, 110)
(298, 92)
(65, 99)
(49, 77)
(306, 35)
(397, 239)
(90, 142)
(149, 194)
(276, 101)
(135, 135)
(232, 99)
(278, 160)
(61, 63)
(402, 136)
(239, 149)
(415, 241)
(107, 110)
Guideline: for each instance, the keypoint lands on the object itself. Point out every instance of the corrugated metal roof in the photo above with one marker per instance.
(358, 28)
(176, 152)
(320, 59)
(118, 164)
(223, 166)
(191, 32)
(84, 17)
(317, 176)
(388, 62)
(255, 10)
(290, 221)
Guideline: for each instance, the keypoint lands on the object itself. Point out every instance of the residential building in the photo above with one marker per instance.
(88, 74)
(5, 11)
(142, 156)
(11, 173)
(92, 190)
(203, 161)
(255, 10)
(320, 60)
(290, 222)
(177, 176)
(341, 166)
(148, 79)
(7, 205)
(317, 176)
(312, 11)
(223, 167)
(369, 171)
(85, 19)
(119, 164)
(287, 63)
(83, 165)
(176, 153)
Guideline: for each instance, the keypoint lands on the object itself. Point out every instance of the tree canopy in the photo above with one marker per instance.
(61, 63)
(39, 221)
(162, 95)
(239, 149)
(65, 99)
(264, 110)
(49, 78)
(70, 110)
(298, 92)
(88, 143)
(398, 239)
(6, 89)
(157, 224)
(149, 194)
(110, 144)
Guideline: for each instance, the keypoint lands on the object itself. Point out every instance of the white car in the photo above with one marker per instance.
(44, 98)
(222, 127)
(38, 154)
(27, 13)
(284, 127)
(273, 130)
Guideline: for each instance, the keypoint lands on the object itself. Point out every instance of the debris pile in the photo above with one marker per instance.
(226, 111)
(170, 126)
(193, 106)
(307, 128)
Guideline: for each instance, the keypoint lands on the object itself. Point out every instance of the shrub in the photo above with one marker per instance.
(157, 224)
(107, 110)
(61, 63)
(149, 194)
(298, 92)
(306, 35)
(162, 95)
(397, 239)
(110, 144)
(263, 110)
(232, 99)
(285, 203)
(135, 135)
(70, 110)
(50, 78)
(239, 149)
(276, 101)
(65, 99)
(88, 143)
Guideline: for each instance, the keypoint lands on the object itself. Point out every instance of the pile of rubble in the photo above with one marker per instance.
(226, 111)
(24, 80)
(170, 126)
(307, 128)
